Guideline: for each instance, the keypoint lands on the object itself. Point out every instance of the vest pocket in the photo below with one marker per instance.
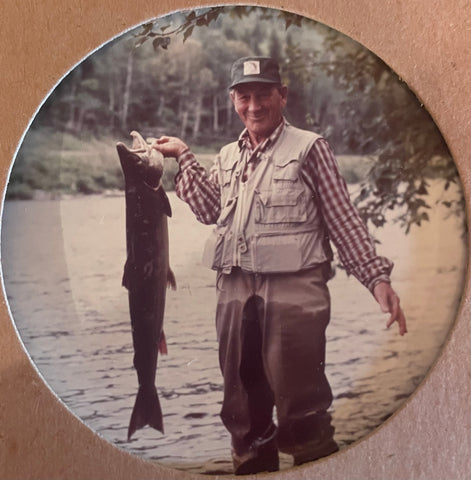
(286, 171)
(212, 249)
(226, 172)
(277, 253)
(280, 206)
(217, 253)
(226, 176)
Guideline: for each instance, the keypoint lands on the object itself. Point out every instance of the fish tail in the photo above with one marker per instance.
(146, 411)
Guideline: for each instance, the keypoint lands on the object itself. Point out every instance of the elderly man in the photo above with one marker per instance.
(277, 199)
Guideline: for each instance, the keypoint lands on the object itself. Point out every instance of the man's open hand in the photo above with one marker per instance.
(389, 303)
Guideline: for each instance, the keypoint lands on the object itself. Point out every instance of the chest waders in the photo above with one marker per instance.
(271, 325)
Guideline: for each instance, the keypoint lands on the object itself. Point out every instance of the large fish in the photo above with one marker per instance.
(146, 272)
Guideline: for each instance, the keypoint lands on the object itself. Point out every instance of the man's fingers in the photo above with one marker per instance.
(169, 146)
(389, 302)
(398, 317)
(159, 141)
(394, 305)
(402, 323)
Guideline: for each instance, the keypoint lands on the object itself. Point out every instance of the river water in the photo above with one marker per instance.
(62, 263)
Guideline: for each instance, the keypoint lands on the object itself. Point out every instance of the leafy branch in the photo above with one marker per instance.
(161, 35)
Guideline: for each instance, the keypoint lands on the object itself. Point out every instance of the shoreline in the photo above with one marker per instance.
(44, 195)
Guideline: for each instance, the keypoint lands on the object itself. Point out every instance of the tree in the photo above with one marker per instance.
(275, 49)
(392, 125)
(395, 127)
(170, 76)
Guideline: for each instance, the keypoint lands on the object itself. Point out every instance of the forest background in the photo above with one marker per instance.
(170, 76)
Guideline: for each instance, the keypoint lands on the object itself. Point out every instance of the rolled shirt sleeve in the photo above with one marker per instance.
(198, 189)
(355, 246)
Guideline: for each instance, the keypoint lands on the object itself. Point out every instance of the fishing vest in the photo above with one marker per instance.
(271, 222)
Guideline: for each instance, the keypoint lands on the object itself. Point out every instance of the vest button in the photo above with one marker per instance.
(242, 244)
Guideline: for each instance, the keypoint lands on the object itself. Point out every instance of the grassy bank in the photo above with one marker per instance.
(55, 164)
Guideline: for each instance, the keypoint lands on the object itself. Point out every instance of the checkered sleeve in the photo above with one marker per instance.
(198, 189)
(346, 229)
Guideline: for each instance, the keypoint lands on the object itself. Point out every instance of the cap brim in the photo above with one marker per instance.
(253, 79)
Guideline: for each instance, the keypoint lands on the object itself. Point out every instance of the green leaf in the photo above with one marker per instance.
(202, 21)
(422, 190)
(191, 16)
(213, 14)
(146, 29)
(161, 42)
(188, 33)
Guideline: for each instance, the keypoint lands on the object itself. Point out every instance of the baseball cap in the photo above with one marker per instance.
(255, 69)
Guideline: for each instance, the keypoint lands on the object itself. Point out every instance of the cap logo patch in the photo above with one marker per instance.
(252, 67)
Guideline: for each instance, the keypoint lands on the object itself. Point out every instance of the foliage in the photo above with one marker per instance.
(170, 76)
(59, 164)
(162, 34)
(51, 162)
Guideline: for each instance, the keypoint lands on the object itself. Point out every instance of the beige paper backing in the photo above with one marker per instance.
(428, 43)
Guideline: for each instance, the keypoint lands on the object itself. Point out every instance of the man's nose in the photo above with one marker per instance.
(254, 103)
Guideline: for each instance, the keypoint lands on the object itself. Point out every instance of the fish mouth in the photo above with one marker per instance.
(138, 142)
(123, 147)
(141, 161)
(139, 146)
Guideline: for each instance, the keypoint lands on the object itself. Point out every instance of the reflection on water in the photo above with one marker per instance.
(62, 265)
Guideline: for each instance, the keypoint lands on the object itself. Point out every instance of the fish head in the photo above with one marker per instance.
(141, 161)
(153, 168)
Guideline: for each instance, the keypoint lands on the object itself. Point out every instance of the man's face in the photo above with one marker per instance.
(260, 107)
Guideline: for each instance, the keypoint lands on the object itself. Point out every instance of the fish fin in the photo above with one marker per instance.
(166, 202)
(171, 282)
(125, 282)
(146, 411)
(163, 350)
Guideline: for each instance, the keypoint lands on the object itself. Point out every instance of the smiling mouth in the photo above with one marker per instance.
(257, 119)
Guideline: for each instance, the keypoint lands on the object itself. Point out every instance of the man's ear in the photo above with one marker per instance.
(284, 93)
(232, 94)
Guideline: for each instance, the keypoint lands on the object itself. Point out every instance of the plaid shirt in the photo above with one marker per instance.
(320, 172)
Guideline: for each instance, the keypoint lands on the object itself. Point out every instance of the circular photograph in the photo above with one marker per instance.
(233, 241)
